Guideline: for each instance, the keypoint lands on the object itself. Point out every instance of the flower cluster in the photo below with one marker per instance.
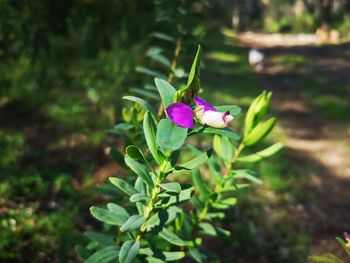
(184, 116)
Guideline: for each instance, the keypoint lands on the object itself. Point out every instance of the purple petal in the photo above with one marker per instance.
(181, 114)
(200, 102)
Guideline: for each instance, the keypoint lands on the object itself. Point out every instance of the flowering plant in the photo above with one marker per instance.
(163, 220)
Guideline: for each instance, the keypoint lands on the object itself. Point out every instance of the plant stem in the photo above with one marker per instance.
(154, 196)
(237, 153)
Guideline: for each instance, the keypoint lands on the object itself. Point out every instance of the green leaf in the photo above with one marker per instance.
(233, 109)
(171, 237)
(162, 36)
(194, 76)
(140, 170)
(162, 255)
(160, 58)
(145, 93)
(102, 239)
(169, 136)
(188, 92)
(195, 254)
(117, 209)
(142, 102)
(223, 132)
(171, 187)
(199, 183)
(196, 162)
(154, 260)
(104, 255)
(133, 222)
(141, 187)
(215, 171)
(250, 119)
(123, 186)
(129, 251)
(121, 128)
(262, 107)
(259, 132)
(173, 255)
(82, 252)
(223, 148)
(135, 153)
(231, 201)
(150, 136)
(245, 174)
(139, 197)
(255, 157)
(343, 244)
(211, 230)
(107, 216)
(149, 72)
(174, 198)
(326, 258)
(163, 217)
(217, 215)
(166, 91)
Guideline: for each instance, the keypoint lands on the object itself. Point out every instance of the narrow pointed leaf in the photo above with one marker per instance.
(162, 36)
(166, 91)
(223, 132)
(104, 255)
(123, 186)
(245, 174)
(102, 239)
(196, 162)
(268, 152)
(142, 102)
(139, 197)
(140, 170)
(128, 251)
(133, 222)
(171, 237)
(171, 187)
(199, 183)
(150, 136)
(150, 72)
(107, 216)
(259, 132)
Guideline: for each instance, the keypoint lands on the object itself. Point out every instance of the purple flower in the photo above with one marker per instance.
(183, 115)
(206, 106)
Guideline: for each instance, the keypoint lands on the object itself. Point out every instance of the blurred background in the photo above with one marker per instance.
(64, 66)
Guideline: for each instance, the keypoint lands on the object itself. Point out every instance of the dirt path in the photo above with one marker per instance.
(323, 144)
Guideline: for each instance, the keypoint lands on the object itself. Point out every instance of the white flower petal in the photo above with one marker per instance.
(216, 119)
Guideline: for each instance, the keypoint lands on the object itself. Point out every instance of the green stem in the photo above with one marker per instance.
(237, 153)
(154, 197)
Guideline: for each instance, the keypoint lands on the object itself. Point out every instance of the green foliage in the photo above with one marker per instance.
(169, 136)
(159, 204)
